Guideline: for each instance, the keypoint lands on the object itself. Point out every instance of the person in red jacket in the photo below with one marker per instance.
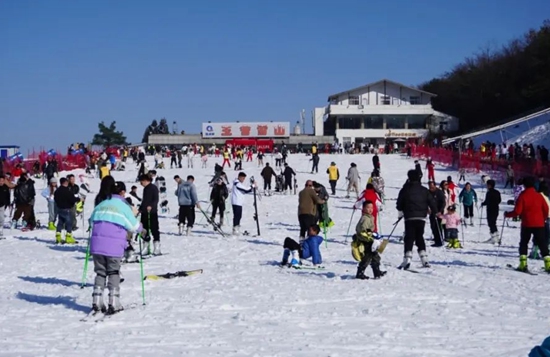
(453, 188)
(370, 195)
(533, 210)
(430, 167)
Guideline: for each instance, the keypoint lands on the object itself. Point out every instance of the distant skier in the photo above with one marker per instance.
(430, 166)
(418, 169)
(237, 199)
(492, 202)
(267, 174)
(333, 176)
(353, 180)
(187, 201)
(468, 197)
(376, 162)
(289, 174)
(218, 195)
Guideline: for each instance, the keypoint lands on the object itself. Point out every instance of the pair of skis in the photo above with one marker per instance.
(177, 274)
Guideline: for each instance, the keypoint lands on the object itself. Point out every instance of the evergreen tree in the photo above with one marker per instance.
(108, 135)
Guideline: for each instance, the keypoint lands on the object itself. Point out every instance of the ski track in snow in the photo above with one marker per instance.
(245, 305)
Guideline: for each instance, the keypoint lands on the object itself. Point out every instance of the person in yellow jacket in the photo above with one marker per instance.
(333, 176)
(104, 171)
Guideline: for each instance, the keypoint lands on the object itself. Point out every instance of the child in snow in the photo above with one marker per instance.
(364, 241)
(111, 219)
(48, 194)
(468, 198)
(452, 221)
(462, 174)
(308, 248)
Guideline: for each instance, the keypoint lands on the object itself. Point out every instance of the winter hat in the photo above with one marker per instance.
(120, 186)
(353, 164)
(53, 180)
(333, 163)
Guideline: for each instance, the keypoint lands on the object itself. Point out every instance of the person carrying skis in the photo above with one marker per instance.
(365, 233)
(111, 220)
(353, 180)
(333, 176)
(452, 222)
(237, 199)
(492, 201)
(308, 203)
(187, 200)
(430, 166)
(267, 174)
(48, 194)
(65, 201)
(468, 198)
(149, 213)
(414, 202)
(289, 174)
(533, 210)
(435, 221)
(308, 248)
(218, 195)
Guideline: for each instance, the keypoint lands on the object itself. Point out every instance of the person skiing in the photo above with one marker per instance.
(376, 162)
(353, 180)
(308, 202)
(315, 160)
(364, 234)
(533, 210)
(370, 194)
(111, 220)
(435, 221)
(190, 155)
(453, 188)
(492, 202)
(308, 248)
(509, 177)
(187, 200)
(430, 166)
(418, 169)
(65, 202)
(226, 158)
(237, 199)
(218, 195)
(173, 161)
(461, 173)
(289, 174)
(414, 202)
(149, 213)
(75, 190)
(5, 201)
(468, 198)
(378, 183)
(267, 174)
(333, 176)
(452, 222)
(48, 194)
(260, 157)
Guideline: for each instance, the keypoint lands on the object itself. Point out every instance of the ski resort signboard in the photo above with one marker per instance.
(246, 130)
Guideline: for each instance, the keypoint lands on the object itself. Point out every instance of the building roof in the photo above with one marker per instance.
(10, 146)
(373, 83)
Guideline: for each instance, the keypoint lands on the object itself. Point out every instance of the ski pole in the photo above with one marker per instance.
(349, 226)
(85, 272)
(141, 269)
(500, 241)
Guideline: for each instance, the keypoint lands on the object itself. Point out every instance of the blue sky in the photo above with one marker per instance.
(66, 65)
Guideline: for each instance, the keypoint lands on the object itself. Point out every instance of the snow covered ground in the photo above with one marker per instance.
(243, 304)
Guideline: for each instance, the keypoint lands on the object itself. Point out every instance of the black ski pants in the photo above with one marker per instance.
(291, 245)
(315, 167)
(306, 221)
(509, 181)
(218, 206)
(468, 211)
(288, 183)
(187, 213)
(492, 221)
(370, 257)
(267, 184)
(173, 161)
(414, 234)
(153, 228)
(435, 225)
(538, 239)
(333, 186)
(237, 215)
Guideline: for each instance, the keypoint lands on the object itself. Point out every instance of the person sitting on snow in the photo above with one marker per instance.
(309, 248)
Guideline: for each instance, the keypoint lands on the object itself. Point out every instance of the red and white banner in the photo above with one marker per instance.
(246, 130)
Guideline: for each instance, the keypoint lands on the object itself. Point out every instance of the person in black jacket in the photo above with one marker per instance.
(418, 169)
(414, 203)
(435, 222)
(5, 199)
(267, 174)
(24, 199)
(65, 202)
(75, 190)
(218, 195)
(492, 201)
(376, 162)
(149, 212)
(288, 173)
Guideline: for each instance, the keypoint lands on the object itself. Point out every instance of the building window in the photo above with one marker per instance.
(417, 121)
(415, 100)
(353, 100)
(349, 123)
(334, 101)
(395, 122)
(374, 122)
(385, 100)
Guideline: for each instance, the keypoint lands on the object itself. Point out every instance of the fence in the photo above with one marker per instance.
(65, 163)
(474, 162)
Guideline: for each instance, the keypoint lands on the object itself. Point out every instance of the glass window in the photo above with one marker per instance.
(349, 123)
(385, 99)
(374, 122)
(395, 122)
(415, 100)
(353, 100)
(417, 121)
(334, 101)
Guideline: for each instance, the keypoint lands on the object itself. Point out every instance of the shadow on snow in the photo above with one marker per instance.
(66, 301)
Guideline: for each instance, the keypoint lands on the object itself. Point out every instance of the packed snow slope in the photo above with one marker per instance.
(467, 304)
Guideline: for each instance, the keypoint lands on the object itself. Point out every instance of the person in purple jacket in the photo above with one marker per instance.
(309, 248)
(111, 221)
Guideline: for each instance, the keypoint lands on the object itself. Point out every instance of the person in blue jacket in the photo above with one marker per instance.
(542, 350)
(309, 248)
(468, 198)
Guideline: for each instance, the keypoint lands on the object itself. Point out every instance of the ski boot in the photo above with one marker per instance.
(114, 301)
(146, 249)
(180, 229)
(456, 244)
(156, 248)
(58, 239)
(547, 264)
(361, 273)
(69, 239)
(522, 263)
(51, 226)
(424, 258)
(188, 231)
(236, 230)
(295, 259)
(377, 272)
(406, 261)
(97, 300)
(472, 221)
(286, 255)
(494, 238)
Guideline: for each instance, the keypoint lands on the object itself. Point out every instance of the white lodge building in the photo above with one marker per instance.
(379, 112)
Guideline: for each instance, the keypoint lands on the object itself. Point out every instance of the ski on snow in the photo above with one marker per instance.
(177, 274)
(510, 266)
(98, 316)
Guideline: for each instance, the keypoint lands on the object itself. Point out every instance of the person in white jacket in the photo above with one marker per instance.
(48, 194)
(190, 154)
(237, 199)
